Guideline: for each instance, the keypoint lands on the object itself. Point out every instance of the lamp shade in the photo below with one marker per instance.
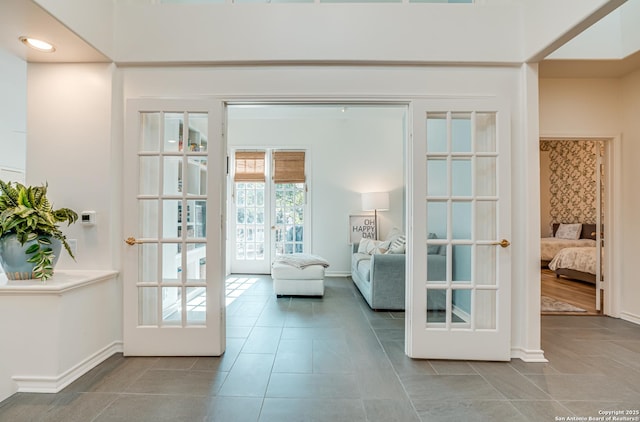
(375, 201)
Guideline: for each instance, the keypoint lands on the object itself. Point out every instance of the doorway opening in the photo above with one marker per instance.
(345, 149)
(574, 205)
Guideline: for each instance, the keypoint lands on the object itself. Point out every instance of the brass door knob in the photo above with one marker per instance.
(132, 241)
(503, 243)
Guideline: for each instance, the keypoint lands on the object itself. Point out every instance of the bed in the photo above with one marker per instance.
(550, 246)
(578, 263)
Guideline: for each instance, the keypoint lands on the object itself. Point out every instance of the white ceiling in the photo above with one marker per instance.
(24, 17)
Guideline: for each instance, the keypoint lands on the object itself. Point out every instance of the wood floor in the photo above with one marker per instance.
(577, 293)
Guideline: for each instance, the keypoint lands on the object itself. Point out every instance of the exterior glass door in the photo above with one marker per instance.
(460, 294)
(172, 273)
(269, 213)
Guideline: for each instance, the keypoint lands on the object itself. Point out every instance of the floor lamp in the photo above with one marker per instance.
(375, 201)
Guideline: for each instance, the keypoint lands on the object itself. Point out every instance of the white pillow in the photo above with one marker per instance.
(569, 231)
(398, 246)
(393, 234)
(371, 247)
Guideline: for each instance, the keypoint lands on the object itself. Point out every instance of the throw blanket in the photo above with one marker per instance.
(301, 260)
(579, 259)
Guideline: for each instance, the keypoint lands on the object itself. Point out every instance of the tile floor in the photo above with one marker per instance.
(333, 359)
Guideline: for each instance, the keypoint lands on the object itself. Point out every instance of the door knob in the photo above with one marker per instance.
(503, 243)
(132, 241)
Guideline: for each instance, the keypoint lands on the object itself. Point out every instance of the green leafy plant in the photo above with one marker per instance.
(26, 212)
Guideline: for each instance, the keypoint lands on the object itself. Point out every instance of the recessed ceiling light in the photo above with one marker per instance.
(38, 44)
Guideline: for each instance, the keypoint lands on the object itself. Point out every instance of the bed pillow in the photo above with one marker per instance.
(569, 231)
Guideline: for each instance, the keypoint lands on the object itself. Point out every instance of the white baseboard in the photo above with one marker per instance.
(48, 384)
(628, 316)
(528, 355)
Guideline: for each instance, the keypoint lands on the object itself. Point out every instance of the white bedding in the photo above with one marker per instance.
(550, 246)
(579, 259)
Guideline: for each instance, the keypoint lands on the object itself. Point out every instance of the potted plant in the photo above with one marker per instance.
(30, 239)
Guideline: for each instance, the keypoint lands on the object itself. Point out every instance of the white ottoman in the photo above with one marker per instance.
(292, 281)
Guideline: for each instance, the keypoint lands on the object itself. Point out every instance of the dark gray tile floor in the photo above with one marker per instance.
(333, 359)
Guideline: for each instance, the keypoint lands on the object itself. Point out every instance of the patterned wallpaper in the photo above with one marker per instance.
(572, 179)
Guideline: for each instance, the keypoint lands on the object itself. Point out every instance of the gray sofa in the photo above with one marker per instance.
(381, 277)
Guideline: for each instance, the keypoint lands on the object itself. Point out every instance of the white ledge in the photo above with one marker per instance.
(62, 281)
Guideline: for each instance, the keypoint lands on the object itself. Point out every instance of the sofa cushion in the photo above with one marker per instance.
(364, 269)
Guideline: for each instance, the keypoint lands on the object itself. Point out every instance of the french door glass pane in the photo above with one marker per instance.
(250, 221)
(461, 308)
(485, 132)
(171, 262)
(148, 305)
(150, 133)
(486, 176)
(173, 128)
(486, 271)
(197, 176)
(171, 306)
(486, 220)
(437, 218)
(461, 220)
(289, 224)
(148, 263)
(485, 309)
(149, 177)
(173, 179)
(461, 177)
(461, 132)
(437, 181)
(437, 132)
(198, 129)
(172, 218)
(148, 212)
(196, 262)
(196, 305)
(461, 263)
(436, 306)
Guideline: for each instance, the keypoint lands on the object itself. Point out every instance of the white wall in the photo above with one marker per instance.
(349, 153)
(605, 108)
(69, 147)
(13, 112)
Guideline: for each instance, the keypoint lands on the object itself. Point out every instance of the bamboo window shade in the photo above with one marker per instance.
(249, 166)
(288, 167)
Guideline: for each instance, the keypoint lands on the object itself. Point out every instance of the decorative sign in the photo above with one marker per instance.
(361, 227)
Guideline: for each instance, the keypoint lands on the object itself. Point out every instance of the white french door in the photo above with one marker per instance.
(459, 296)
(174, 173)
(267, 219)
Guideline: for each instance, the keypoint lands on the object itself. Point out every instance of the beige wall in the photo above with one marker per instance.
(606, 108)
(630, 213)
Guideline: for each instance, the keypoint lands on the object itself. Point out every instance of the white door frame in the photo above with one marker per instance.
(612, 214)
